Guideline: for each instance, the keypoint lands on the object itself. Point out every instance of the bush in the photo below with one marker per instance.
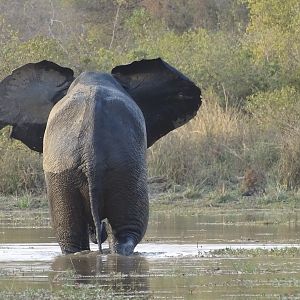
(278, 108)
(289, 164)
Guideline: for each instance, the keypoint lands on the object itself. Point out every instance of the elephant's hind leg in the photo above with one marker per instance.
(127, 208)
(67, 212)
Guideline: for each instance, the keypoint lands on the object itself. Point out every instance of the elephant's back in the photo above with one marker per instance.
(119, 127)
(97, 120)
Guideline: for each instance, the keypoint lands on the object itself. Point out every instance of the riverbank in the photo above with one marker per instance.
(166, 196)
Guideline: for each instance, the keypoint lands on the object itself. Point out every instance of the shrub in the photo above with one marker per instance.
(289, 164)
(276, 108)
(280, 111)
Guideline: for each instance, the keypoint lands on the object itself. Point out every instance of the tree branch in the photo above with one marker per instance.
(115, 26)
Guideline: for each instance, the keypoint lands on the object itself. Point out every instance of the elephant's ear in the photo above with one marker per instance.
(27, 97)
(166, 97)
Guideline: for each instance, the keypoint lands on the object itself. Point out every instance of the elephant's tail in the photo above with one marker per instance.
(94, 195)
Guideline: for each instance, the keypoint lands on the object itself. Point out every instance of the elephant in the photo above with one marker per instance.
(93, 131)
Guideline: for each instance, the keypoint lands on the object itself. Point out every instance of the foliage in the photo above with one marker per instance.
(279, 107)
(182, 15)
(211, 59)
(244, 54)
(16, 53)
(274, 36)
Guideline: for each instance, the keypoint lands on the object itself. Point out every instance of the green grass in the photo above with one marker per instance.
(182, 200)
(258, 252)
(25, 201)
(195, 199)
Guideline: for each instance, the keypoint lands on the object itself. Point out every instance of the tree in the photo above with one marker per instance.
(274, 37)
(181, 15)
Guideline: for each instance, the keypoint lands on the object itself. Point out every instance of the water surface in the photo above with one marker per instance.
(173, 261)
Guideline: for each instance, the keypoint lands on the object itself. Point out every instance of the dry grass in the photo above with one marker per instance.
(220, 150)
(289, 164)
(215, 150)
(21, 169)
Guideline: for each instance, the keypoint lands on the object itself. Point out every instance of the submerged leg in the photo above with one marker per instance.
(125, 245)
(67, 213)
(127, 208)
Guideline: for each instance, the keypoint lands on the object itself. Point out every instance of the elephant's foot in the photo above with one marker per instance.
(73, 250)
(125, 246)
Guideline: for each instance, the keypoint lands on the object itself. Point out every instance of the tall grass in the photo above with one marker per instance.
(216, 149)
(289, 164)
(20, 169)
(221, 148)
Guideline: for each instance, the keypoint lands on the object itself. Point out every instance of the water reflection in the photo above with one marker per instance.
(251, 226)
(120, 273)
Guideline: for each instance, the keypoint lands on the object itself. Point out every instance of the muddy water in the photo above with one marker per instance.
(173, 261)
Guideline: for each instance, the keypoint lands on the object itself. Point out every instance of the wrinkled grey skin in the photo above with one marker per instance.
(93, 132)
(94, 155)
